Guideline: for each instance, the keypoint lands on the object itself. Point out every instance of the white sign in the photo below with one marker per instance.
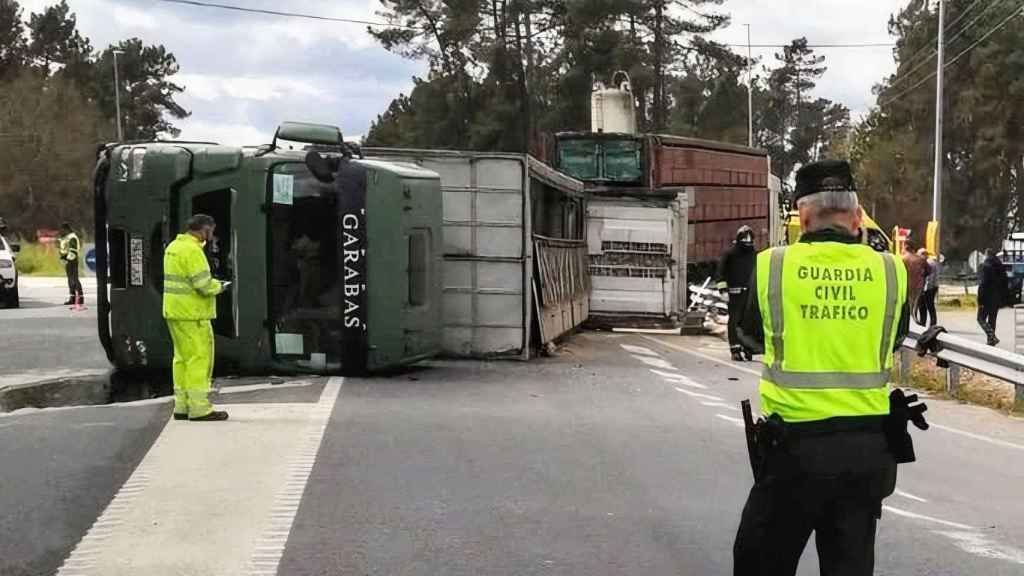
(136, 261)
(288, 343)
(283, 188)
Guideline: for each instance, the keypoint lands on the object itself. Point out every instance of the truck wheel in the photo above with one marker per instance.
(13, 300)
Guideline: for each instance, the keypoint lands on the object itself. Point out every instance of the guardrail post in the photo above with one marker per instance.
(903, 376)
(952, 379)
(1018, 328)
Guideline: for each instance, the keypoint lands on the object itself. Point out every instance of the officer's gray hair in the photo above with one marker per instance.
(200, 221)
(824, 205)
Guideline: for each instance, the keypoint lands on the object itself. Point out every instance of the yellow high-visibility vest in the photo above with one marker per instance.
(831, 312)
(190, 291)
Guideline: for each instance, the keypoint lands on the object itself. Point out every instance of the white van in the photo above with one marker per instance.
(8, 274)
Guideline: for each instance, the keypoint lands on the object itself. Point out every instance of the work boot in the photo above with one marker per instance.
(737, 356)
(215, 416)
(748, 354)
(69, 301)
(180, 416)
(992, 341)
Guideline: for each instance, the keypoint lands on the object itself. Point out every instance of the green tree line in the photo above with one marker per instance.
(503, 73)
(983, 108)
(57, 104)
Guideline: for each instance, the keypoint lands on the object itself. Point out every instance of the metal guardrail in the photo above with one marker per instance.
(955, 353)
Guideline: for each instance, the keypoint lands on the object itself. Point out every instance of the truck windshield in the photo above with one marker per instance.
(304, 299)
(621, 160)
(579, 158)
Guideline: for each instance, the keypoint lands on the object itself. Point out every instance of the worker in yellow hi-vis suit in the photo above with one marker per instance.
(190, 294)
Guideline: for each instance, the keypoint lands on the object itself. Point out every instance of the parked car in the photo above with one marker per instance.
(8, 274)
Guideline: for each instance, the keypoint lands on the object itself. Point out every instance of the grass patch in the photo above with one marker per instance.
(975, 388)
(957, 302)
(39, 260)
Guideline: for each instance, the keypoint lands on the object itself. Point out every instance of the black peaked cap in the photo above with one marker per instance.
(824, 176)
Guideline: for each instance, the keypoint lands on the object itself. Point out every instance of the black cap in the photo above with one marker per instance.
(824, 176)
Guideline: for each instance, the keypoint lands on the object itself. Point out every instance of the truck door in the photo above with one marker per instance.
(221, 254)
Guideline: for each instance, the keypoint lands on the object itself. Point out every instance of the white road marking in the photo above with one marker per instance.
(669, 331)
(656, 362)
(978, 544)
(638, 350)
(679, 379)
(720, 405)
(907, 514)
(697, 394)
(255, 387)
(994, 441)
(910, 496)
(736, 421)
(704, 356)
(286, 504)
(980, 437)
(667, 374)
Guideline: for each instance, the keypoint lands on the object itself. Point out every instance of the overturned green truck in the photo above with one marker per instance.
(336, 260)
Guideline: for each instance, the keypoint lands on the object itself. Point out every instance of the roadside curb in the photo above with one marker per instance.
(83, 390)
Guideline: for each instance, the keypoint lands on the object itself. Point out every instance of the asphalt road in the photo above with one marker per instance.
(964, 323)
(622, 455)
(45, 339)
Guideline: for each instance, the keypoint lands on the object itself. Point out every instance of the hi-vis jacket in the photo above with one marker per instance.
(189, 289)
(829, 312)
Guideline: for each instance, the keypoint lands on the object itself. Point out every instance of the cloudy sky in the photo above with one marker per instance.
(244, 73)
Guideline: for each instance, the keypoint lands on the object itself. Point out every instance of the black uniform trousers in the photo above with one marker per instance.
(74, 284)
(832, 485)
(987, 314)
(737, 303)
(927, 316)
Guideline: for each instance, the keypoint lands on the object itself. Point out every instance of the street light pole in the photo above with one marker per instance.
(750, 93)
(117, 97)
(937, 196)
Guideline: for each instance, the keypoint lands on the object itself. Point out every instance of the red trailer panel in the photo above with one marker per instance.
(681, 166)
(707, 240)
(711, 203)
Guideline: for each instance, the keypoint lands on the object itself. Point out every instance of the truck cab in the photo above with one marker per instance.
(335, 260)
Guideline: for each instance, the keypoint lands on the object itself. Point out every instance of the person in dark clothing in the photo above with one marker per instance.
(992, 290)
(734, 269)
(926, 303)
(825, 463)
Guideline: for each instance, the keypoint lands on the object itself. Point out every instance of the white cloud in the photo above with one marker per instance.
(851, 71)
(244, 73)
(133, 19)
(223, 133)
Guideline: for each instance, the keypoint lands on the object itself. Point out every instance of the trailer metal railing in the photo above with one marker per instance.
(955, 353)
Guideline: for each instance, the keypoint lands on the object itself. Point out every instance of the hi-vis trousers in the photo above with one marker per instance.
(193, 366)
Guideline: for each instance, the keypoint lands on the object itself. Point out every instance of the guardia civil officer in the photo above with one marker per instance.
(734, 269)
(827, 313)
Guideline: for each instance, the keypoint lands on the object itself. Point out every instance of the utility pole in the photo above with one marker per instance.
(750, 93)
(117, 97)
(937, 197)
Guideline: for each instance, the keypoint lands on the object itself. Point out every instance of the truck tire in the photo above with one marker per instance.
(13, 300)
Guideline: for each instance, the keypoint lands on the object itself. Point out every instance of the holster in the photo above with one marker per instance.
(764, 437)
